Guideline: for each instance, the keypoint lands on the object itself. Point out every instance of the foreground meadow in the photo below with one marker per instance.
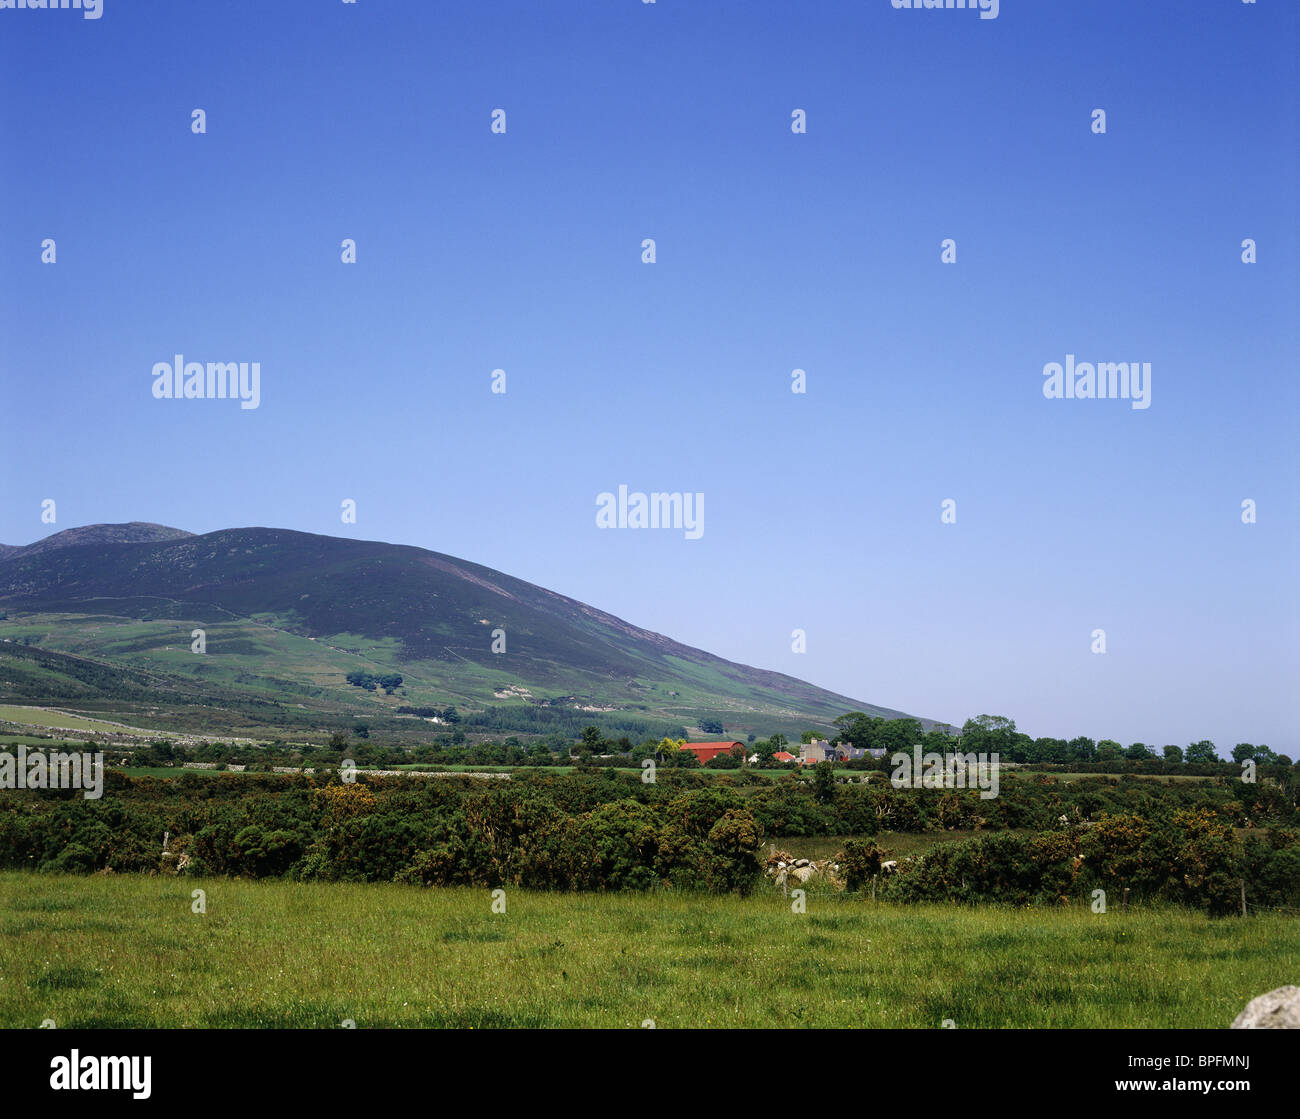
(128, 951)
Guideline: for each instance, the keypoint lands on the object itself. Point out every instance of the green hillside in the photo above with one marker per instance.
(287, 616)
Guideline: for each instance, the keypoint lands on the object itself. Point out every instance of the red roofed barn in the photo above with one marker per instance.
(707, 751)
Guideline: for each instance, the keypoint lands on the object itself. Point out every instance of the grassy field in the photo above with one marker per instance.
(40, 740)
(128, 951)
(43, 717)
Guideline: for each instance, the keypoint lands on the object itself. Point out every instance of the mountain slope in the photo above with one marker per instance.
(263, 594)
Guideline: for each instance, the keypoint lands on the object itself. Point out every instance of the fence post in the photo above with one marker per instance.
(873, 887)
(1124, 903)
(1243, 897)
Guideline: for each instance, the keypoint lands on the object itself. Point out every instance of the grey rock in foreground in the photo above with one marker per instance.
(1277, 1010)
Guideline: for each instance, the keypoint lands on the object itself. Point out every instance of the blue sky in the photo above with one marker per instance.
(775, 251)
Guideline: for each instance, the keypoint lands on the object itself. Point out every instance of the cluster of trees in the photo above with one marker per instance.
(866, 732)
(997, 734)
(390, 681)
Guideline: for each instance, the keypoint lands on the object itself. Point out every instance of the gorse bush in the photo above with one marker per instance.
(1039, 842)
(1188, 858)
(860, 862)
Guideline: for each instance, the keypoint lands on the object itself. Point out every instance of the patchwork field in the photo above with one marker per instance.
(106, 951)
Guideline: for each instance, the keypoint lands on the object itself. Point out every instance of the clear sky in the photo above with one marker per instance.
(774, 251)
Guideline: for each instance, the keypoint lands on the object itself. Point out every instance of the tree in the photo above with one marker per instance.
(1199, 753)
(1048, 750)
(1244, 751)
(680, 759)
(1082, 749)
(990, 734)
(897, 735)
(1173, 754)
(591, 742)
(860, 730)
(937, 742)
(824, 782)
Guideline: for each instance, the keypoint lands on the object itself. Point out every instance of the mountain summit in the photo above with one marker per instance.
(133, 532)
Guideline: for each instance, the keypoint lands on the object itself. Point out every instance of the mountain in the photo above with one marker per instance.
(287, 616)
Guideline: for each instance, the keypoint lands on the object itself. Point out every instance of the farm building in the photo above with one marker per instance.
(707, 751)
(818, 750)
